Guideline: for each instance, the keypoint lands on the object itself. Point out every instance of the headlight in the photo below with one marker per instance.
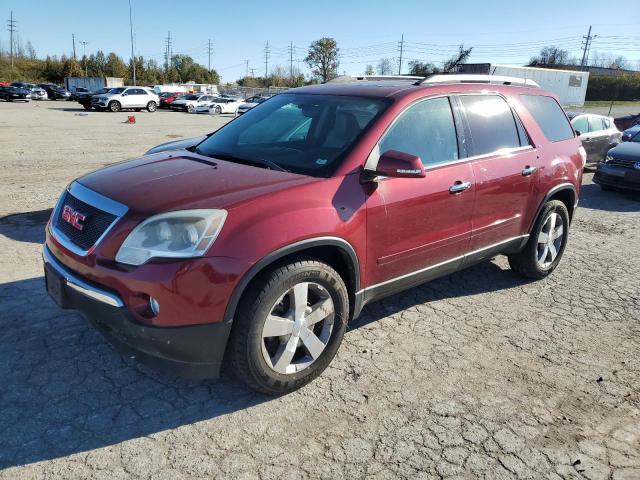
(180, 234)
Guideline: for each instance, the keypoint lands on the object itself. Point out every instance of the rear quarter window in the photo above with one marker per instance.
(549, 116)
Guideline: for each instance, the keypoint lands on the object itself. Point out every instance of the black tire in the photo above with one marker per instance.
(525, 263)
(152, 107)
(86, 106)
(217, 110)
(191, 109)
(115, 106)
(245, 345)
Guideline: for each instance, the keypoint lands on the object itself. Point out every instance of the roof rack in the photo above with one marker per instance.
(374, 78)
(495, 79)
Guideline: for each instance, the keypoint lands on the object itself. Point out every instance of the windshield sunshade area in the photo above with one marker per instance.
(301, 133)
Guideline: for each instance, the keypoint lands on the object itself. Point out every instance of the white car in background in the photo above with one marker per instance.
(190, 102)
(251, 102)
(223, 105)
(121, 98)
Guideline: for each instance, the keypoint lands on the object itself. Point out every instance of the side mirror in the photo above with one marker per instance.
(395, 164)
(125, 94)
(578, 132)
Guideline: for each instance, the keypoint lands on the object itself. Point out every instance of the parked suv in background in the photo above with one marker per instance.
(597, 133)
(265, 239)
(135, 98)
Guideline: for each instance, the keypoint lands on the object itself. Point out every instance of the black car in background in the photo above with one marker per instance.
(84, 98)
(621, 168)
(12, 94)
(55, 92)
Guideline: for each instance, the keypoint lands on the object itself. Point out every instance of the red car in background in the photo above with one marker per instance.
(167, 98)
(261, 242)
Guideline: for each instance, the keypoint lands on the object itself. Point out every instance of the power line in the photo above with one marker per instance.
(11, 26)
(401, 48)
(209, 50)
(267, 51)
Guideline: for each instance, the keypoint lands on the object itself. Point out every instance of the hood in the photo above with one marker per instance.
(176, 145)
(181, 180)
(626, 151)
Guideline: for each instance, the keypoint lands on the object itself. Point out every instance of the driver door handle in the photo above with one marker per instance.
(528, 170)
(459, 187)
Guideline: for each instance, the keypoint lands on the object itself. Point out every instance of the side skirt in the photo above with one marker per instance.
(404, 282)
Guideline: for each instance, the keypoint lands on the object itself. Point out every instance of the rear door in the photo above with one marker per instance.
(419, 226)
(504, 167)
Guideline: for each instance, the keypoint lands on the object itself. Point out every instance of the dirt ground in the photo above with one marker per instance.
(476, 375)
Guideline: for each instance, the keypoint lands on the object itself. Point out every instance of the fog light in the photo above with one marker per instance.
(155, 306)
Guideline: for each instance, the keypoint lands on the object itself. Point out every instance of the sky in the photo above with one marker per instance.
(366, 31)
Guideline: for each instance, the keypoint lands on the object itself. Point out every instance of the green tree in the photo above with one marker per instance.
(71, 68)
(322, 58)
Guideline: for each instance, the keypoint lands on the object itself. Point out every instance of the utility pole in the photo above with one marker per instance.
(587, 46)
(167, 54)
(84, 56)
(209, 51)
(73, 39)
(11, 24)
(401, 49)
(253, 72)
(267, 51)
(133, 58)
(291, 60)
(246, 74)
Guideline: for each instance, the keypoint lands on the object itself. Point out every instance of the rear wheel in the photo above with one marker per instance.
(542, 253)
(152, 107)
(115, 106)
(191, 108)
(289, 326)
(217, 110)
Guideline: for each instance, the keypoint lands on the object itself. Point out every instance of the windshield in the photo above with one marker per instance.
(301, 133)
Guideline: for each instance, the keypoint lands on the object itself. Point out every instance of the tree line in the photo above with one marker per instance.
(28, 67)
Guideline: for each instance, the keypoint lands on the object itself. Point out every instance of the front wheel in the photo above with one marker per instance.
(152, 107)
(289, 326)
(191, 109)
(217, 110)
(547, 241)
(115, 106)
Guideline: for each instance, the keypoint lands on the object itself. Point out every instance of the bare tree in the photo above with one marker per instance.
(451, 65)
(550, 56)
(369, 70)
(385, 66)
(322, 58)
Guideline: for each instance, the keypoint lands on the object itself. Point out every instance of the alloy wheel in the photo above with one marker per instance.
(298, 328)
(550, 240)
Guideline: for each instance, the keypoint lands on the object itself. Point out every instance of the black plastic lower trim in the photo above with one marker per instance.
(194, 352)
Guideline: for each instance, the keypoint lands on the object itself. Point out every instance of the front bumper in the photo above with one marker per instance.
(617, 177)
(194, 351)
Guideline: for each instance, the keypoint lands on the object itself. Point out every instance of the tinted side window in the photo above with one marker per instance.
(491, 123)
(595, 123)
(581, 124)
(549, 116)
(426, 130)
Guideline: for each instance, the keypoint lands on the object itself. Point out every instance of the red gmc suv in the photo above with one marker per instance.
(260, 243)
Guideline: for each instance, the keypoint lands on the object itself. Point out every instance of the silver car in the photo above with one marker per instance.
(597, 133)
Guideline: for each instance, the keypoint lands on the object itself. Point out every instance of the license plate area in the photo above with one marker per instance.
(56, 286)
(632, 176)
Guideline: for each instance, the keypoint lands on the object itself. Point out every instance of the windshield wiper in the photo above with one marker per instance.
(249, 161)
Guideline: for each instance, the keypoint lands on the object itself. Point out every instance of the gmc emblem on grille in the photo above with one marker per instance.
(73, 217)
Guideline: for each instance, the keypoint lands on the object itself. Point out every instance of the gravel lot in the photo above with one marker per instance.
(479, 374)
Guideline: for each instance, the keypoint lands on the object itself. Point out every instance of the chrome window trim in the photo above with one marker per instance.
(80, 285)
(455, 259)
(94, 199)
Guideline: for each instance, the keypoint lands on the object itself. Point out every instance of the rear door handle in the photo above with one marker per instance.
(459, 187)
(528, 170)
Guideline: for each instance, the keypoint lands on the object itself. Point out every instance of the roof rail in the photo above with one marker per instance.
(463, 78)
(374, 78)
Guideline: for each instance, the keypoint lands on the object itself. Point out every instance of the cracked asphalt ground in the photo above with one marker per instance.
(479, 374)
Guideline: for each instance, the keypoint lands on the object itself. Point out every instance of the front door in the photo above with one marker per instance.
(505, 167)
(419, 226)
